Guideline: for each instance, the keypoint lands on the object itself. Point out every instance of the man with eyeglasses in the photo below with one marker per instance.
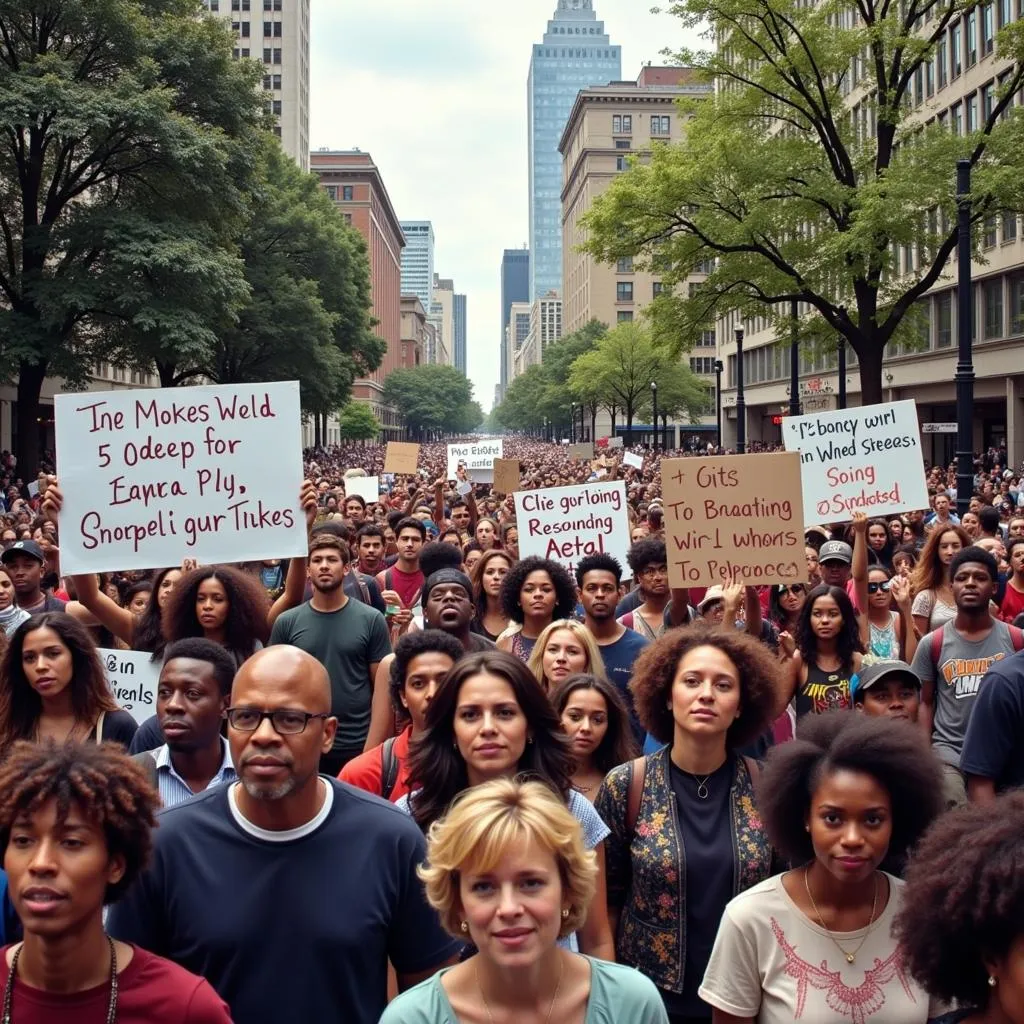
(288, 891)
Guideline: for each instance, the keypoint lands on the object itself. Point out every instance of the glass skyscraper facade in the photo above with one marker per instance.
(575, 54)
(418, 261)
(459, 316)
(515, 287)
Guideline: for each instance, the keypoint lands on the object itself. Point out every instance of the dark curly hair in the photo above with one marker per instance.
(897, 757)
(847, 640)
(619, 744)
(247, 609)
(438, 555)
(598, 563)
(655, 670)
(411, 646)
(649, 551)
(978, 556)
(21, 705)
(437, 770)
(964, 900)
(102, 782)
(512, 584)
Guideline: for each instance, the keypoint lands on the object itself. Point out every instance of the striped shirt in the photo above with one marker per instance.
(174, 789)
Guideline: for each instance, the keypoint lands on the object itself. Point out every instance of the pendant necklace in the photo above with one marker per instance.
(850, 957)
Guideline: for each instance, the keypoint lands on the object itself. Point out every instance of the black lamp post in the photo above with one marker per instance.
(741, 402)
(794, 363)
(719, 366)
(965, 360)
(654, 403)
(572, 424)
(842, 373)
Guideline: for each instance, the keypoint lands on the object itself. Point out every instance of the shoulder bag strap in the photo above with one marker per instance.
(389, 768)
(99, 727)
(637, 771)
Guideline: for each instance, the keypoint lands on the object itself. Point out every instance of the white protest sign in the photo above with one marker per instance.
(478, 458)
(568, 523)
(630, 459)
(154, 476)
(859, 460)
(133, 676)
(365, 487)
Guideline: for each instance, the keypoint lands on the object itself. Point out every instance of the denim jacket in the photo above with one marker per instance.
(646, 872)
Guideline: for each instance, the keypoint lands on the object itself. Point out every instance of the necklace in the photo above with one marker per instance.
(850, 957)
(111, 1006)
(702, 785)
(476, 974)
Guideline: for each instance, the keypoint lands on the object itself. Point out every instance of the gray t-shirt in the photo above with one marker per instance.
(960, 667)
(346, 642)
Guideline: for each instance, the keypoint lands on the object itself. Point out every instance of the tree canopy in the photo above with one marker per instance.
(434, 400)
(821, 171)
(357, 422)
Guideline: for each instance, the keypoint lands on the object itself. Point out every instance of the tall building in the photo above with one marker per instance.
(574, 54)
(460, 333)
(418, 260)
(281, 39)
(516, 334)
(414, 331)
(443, 306)
(354, 182)
(515, 287)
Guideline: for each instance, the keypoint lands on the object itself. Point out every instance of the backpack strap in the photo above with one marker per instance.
(388, 768)
(364, 590)
(637, 772)
(1017, 638)
(753, 769)
(937, 636)
(147, 761)
(389, 580)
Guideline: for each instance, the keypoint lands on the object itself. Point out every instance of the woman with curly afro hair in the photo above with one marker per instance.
(534, 592)
(685, 833)
(847, 796)
(75, 830)
(962, 923)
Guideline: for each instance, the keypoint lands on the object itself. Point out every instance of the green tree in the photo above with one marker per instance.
(433, 399)
(789, 194)
(680, 391)
(357, 423)
(125, 134)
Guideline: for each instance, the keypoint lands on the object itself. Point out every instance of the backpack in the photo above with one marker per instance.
(389, 768)
(1016, 638)
(364, 590)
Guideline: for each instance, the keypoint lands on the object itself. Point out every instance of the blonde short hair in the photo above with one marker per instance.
(481, 826)
(595, 663)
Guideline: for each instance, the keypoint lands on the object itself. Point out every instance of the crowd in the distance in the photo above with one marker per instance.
(419, 778)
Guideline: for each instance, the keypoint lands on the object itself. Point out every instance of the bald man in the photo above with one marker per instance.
(288, 891)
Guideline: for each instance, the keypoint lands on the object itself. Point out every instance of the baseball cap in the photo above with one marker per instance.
(879, 671)
(23, 547)
(447, 576)
(715, 593)
(835, 551)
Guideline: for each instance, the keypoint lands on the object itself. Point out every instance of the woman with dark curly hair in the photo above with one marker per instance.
(490, 719)
(534, 593)
(490, 620)
(685, 833)
(849, 794)
(824, 655)
(75, 828)
(961, 928)
(595, 718)
(52, 687)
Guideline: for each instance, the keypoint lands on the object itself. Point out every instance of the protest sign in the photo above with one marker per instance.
(506, 476)
(580, 451)
(401, 457)
(859, 460)
(365, 487)
(636, 461)
(478, 458)
(734, 517)
(568, 523)
(152, 476)
(133, 677)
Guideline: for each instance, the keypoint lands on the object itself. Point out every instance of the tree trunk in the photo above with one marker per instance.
(870, 356)
(30, 384)
(593, 424)
(316, 430)
(166, 372)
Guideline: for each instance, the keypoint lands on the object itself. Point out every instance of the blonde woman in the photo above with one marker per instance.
(508, 871)
(563, 649)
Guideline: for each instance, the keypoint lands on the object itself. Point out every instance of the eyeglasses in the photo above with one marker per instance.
(796, 589)
(285, 721)
(874, 588)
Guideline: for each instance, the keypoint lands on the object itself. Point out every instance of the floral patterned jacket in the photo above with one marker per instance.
(645, 871)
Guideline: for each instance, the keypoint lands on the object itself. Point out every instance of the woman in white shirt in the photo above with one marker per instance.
(814, 944)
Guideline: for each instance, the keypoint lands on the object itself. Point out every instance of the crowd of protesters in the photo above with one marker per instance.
(418, 778)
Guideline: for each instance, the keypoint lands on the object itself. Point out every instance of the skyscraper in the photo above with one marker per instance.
(418, 260)
(574, 54)
(459, 314)
(515, 287)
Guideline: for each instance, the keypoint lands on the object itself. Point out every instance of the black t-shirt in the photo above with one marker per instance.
(994, 744)
(148, 737)
(299, 929)
(118, 727)
(706, 833)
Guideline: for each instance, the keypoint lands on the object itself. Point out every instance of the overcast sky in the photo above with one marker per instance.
(436, 93)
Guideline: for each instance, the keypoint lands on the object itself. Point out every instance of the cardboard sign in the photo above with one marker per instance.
(401, 457)
(636, 461)
(580, 451)
(365, 487)
(133, 677)
(506, 476)
(153, 476)
(478, 458)
(609, 442)
(734, 518)
(859, 460)
(567, 523)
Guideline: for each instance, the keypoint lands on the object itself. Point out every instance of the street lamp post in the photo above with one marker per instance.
(842, 373)
(719, 366)
(654, 403)
(794, 363)
(741, 402)
(965, 360)
(572, 424)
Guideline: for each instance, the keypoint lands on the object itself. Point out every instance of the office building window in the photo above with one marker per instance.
(929, 78)
(988, 101)
(1009, 227)
(1005, 12)
(346, 193)
(214, 5)
(992, 292)
(988, 28)
(944, 320)
(657, 288)
(989, 238)
(277, 55)
(624, 291)
(332, 191)
(660, 124)
(972, 112)
(624, 316)
(622, 124)
(942, 62)
(245, 30)
(624, 266)
(277, 130)
(956, 49)
(956, 118)
(268, 29)
(277, 30)
(277, 107)
(707, 339)
(277, 81)
(268, 55)
(266, 82)
(236, 53)
(245, 51)
(622, 143)
(621, 164)
(348, 218)
(972, 39)
(1017, 303)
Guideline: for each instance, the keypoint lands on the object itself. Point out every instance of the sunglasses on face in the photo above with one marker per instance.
(795, 589)
(874, 588)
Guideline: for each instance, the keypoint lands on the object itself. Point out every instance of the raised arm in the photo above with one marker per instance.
(295, 579)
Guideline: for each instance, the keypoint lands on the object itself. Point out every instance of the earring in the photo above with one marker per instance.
(465, 926)
(565, 917)
(991, 981)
